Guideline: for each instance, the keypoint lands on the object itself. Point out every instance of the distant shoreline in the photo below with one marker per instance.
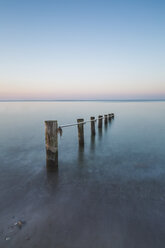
(81, 100)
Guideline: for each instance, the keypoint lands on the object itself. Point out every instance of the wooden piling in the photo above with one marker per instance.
(51, 141)
(105, 119)
(80, 131)
(93, 132)
(109, 117)
(100, 121)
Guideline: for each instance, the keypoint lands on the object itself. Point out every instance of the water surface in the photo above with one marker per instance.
(109, 194)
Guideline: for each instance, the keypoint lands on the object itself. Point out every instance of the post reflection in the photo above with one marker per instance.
(52, 179)
(105, 126)
(100, 133)
(51, 167)
(92, 144)
(110, 119)
(81, 153)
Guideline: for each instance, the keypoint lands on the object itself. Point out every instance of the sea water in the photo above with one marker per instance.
(111, 193)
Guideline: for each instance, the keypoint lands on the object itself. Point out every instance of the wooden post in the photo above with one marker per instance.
(112, 115)
(51, 140)
(105, 119)
(100, 121)
(109, 117)
(93, 126)
(80, 131)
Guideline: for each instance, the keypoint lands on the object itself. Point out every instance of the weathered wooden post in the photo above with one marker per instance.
(112, 115)
(51, 140)
(109, 117)
(93, 126)
(100, 118)
(105, 119)
(80, 131)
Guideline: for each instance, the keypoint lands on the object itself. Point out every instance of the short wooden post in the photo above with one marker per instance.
(105, 119)
(93, 126)
(51, 140)
(109, 117)
(100, 119)
(112, 115)
(80, 131)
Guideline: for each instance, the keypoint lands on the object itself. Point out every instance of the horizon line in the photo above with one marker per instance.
(81, 100)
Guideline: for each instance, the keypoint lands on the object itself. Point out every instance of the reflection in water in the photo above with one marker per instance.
(100, 132)
(52, 179)
(92, 144)
(105, 126)
(51, 166)
(111, 120)
(81, 154)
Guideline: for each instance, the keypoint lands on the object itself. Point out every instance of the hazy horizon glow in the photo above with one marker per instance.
(68, 49)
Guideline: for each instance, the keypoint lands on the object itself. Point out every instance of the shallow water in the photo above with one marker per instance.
(111, 194)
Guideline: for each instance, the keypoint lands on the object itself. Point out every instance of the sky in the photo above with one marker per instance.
(82, 49)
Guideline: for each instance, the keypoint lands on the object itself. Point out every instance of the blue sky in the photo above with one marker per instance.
(82, 49)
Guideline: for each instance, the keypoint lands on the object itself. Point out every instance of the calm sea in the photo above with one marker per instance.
(109, 194)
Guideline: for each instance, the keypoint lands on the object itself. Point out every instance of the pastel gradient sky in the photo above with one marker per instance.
(82, 49)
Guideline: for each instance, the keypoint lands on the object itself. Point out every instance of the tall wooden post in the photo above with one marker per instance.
(100, 121)
(93, 132)
(80, 131)
(105, 119)
(51, 140)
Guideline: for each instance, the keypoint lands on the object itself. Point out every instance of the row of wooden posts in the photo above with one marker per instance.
(52, 130)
